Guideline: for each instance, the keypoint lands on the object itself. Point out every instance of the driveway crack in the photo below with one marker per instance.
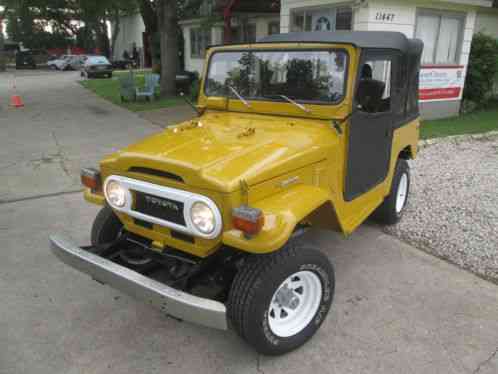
(60, 155)
(486, 361)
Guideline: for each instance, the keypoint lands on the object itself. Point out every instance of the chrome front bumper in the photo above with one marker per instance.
(169, 300)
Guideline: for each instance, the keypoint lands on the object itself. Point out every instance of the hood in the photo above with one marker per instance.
(220, 149)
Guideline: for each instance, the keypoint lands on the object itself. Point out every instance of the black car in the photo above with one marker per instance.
(97, 66)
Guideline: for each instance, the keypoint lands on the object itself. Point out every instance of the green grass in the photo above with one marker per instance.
(478, 122)
(109, 90)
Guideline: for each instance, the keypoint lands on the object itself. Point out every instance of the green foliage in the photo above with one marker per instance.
(482, 70)
(29, 21)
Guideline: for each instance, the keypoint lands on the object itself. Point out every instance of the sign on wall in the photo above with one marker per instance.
(441, 83)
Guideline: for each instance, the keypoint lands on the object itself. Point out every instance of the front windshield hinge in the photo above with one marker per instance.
(337, 126)
(338, 122)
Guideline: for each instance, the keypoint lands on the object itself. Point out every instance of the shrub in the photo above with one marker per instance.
(482, 70)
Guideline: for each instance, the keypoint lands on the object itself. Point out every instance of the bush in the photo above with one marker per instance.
(482, 70)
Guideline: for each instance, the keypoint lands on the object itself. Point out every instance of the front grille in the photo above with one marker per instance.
(143, 223)
(159, 207)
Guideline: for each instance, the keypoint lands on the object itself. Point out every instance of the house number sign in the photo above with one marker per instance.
(386, 17)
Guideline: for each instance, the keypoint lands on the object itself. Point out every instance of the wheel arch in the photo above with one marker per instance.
(407, 153)
(283, 212)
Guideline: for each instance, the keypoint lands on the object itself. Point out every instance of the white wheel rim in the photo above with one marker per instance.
(295, 303)
(402, 193)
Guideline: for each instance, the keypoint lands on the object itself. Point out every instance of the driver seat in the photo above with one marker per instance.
(370, 92)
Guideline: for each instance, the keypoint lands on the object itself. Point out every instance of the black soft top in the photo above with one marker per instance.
(361, 39)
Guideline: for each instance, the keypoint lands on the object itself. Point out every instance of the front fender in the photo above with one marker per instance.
(282, 213)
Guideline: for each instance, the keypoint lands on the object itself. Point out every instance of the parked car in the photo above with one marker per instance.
(61, 63)
(96, 66)
(205, 219)
(123, 64)
(76, 62)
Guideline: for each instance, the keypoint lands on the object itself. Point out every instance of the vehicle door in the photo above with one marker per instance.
(371, 125)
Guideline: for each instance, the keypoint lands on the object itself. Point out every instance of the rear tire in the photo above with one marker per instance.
(278, 301)
(391, 210)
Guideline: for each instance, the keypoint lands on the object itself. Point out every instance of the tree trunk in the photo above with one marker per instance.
(167, 24)
(115, 32)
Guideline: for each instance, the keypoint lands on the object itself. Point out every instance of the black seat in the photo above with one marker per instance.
(370, 93)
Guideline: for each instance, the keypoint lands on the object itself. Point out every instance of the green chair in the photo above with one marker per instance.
(127, 87)
(149, 89)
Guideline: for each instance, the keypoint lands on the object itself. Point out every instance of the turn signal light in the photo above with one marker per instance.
(248, 220)
(91, 178)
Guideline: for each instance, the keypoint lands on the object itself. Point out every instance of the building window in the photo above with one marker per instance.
(274, 27)
(200, 39)
(323, 19)
(442, 36)
(244, 33)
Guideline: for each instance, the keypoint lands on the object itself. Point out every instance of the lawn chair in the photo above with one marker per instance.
(149, 89)
(127, 87)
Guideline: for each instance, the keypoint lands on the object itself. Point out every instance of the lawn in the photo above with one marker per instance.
(473, 123)
(109, 89)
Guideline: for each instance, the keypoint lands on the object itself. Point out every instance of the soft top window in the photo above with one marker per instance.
(305, 75)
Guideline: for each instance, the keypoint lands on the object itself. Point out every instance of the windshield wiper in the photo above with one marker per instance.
(300, 106)
(244, 101)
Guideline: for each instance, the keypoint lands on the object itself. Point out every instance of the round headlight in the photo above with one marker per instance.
(202, 217)
(116, 194)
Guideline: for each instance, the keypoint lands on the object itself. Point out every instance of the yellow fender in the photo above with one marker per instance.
(282, 213)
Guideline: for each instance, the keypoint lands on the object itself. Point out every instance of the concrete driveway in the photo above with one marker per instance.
(396, 310)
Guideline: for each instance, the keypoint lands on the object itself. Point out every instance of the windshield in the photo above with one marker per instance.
(97, 60)
(306, 76)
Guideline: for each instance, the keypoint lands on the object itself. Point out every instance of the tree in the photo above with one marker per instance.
(160, 18)
(167, 27)
(83, 20)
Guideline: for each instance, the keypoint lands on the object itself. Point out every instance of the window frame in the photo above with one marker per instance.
(273, 24)
(460, 16)
(200, 54)
(328, 7)
(309, 102)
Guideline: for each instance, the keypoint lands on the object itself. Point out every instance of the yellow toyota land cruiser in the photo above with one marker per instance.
(203, 219)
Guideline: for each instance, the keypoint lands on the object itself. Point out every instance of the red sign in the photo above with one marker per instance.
(439, 93)
(441, 82)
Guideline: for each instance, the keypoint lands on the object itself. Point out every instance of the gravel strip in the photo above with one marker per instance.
(453, 206)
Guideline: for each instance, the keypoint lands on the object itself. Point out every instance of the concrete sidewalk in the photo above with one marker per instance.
(396, 310)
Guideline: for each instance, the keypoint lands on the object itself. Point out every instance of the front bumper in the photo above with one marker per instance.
(169, 300)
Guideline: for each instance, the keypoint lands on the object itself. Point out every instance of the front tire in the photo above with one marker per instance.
(391, 210)
(279, 300)
(107, 228)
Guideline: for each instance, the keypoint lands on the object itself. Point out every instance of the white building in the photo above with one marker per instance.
(248, 21)
(131, 32)
(446, 27)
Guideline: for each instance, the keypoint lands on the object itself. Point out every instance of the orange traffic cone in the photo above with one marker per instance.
(16, 101)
